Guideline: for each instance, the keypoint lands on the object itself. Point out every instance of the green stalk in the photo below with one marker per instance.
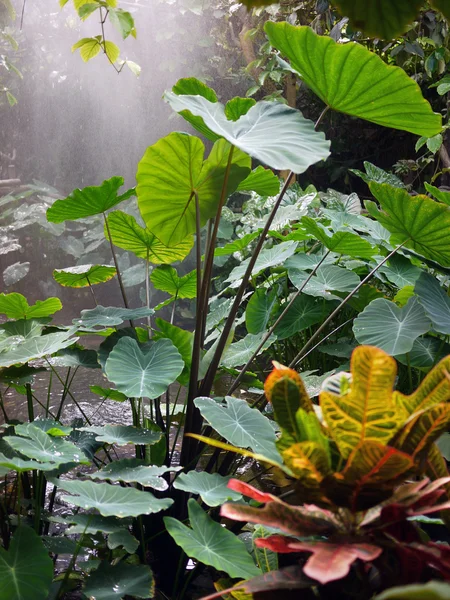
(116, 264)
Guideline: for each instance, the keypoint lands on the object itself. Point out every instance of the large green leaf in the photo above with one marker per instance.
(400, 271)
(89, 201)
(76, 357)
(84, 275)
(112, 500)
(240, 352)
(210, 543)
(123, 434)
(342, 242)
(304, 312)
(259, 309)
(212, 487)
(240, 425)
(190, 86)
(439, 194)
(133, 470)
(110, 316)
(24, 328)
(126, 233)
(351, 79)
(143, 371)
(275, 134)
(166, 279)
(384, 19)
(39, 445)
(110, 582)
(182, 340)
(169, 175)
(389, 327)
(36, 347)
(417, 221)
(425, 353)
(261, 181)
(435, 302)
(327, 279)
(26, 569)
(21, 466)
(15, 306)
(267, 258)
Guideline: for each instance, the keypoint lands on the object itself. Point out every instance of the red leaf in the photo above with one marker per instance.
(248, 490)
(329, 562)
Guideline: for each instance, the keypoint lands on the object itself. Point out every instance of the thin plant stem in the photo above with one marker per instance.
(172, 314)
(300, 355)
(92, 291)
(30, 402)
(49, 393)
(147, 291)
(116, 264)
(275, 325)
(75, 401)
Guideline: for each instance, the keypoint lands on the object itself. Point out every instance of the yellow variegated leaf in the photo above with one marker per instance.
(308, 461)
(367, 412)
(284, 388)
(435, 466)
(421, 430)
(371, 472)
(435, 388)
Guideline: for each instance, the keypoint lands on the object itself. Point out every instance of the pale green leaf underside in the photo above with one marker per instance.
(212, 487)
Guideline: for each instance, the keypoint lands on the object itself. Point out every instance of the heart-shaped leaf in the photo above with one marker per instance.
(435, 302)
(123, 434)
(110, 582)
(15, 306)
(275, 134)
(351, 79)
(261, 181)
(327, 279)
(210, 543)
(110, 316)
(26, 569)
(183, 342)
(112, 500)
(400, 271)
(389, 327)
(259, 310)
(166, 279)
(143, 371)
(240, 352)
(89, 201)
(46, 448)
(172, 172)
(240, 425)
(212, 487)
(304, 312)
(418, 222)
(84, 275)
(342, 242)
(126, 233)
(21, 466)
(270, 257)
(36, 347)
(133, 470)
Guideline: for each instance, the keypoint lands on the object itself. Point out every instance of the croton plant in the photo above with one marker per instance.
(365, 471)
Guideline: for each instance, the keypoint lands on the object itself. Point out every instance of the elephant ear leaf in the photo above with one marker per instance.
(417, 222)
(367, 410)
(351, 79)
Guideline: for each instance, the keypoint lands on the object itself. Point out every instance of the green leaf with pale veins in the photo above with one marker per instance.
(127, 234)
(351, 79)
(123, 434)
(271, 132)
(112, 500)
(342, 242)
(212, 487)
(393, 329)
(166, 279)
(143, 371)
(133, 470)
(435, 301)
(26, 569)
(110, 316)
(304, 312)
(418, 222)
(259, 310)
(240, 425)
(261, 181)
(169, 175)
(210, 543)
(89, 201)
(36, 347)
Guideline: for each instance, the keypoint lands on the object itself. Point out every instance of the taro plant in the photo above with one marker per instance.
(300, 274)
(352, 501)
